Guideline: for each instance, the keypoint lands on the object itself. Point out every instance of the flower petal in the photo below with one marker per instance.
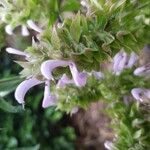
(16, 52)
(119, 62)
(63, 81)
(79, 78)
(23, 87)
(9, 29)
(137, 93)
(98, 75)
(49, 100)
(132, 60)
(24, 30)
(33, 26)
(140, 71)
(48, 66)
(108, 145)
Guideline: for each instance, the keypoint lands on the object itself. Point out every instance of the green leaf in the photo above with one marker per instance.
(8, 85)
(55, 39)
(75, 28)
(138, 134)
(36, 147)
(7, 107)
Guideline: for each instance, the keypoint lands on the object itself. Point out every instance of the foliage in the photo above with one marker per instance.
(88, 38)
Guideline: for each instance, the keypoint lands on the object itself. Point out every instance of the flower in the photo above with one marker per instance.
(49, 100)
(140, 94)
(142, 71)
(9, 29)
(25, 86)
(16, 52)
(108, 145)
(63, 81)
(122, 61)
(33, 26)
(24, 30)
(48, 66)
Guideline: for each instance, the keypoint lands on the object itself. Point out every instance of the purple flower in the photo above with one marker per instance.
(74, 110)
(119, 62)
(140, 94)
(24, 30)
(108, 145)
(9, 29)
(98, 75)
(122, 61)
(63, 81)
(48, 66)
(23, 87)
(33, 26)
(132, 60)
(79, 78)
(49, 100)
(16, 52)
(142, 71)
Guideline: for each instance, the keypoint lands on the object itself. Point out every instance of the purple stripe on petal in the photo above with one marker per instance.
(63, 81)
(33, 26)
(23, 87)
(16, 52)
(48, 66)
(79, 78)
(49, 100)
(137, 93)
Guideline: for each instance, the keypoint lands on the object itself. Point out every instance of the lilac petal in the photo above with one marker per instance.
(16, 52)
(119, 62)
(74, 110)
(123, 61)
(23, 87)
(137, 93)
(140, 71)
(24, 30)
(48, 66)
(98, 75)
(108, 145)
(33, 26)
(49, 100)
(79, 78)
(63, 81)
(132, 60)
(9, 29)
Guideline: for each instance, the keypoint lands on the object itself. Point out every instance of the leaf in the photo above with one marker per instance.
(7, 107)
(71, 5)
(8, 85)
(55, 39)
(36, 147)
(138, 134)
(75, 28)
